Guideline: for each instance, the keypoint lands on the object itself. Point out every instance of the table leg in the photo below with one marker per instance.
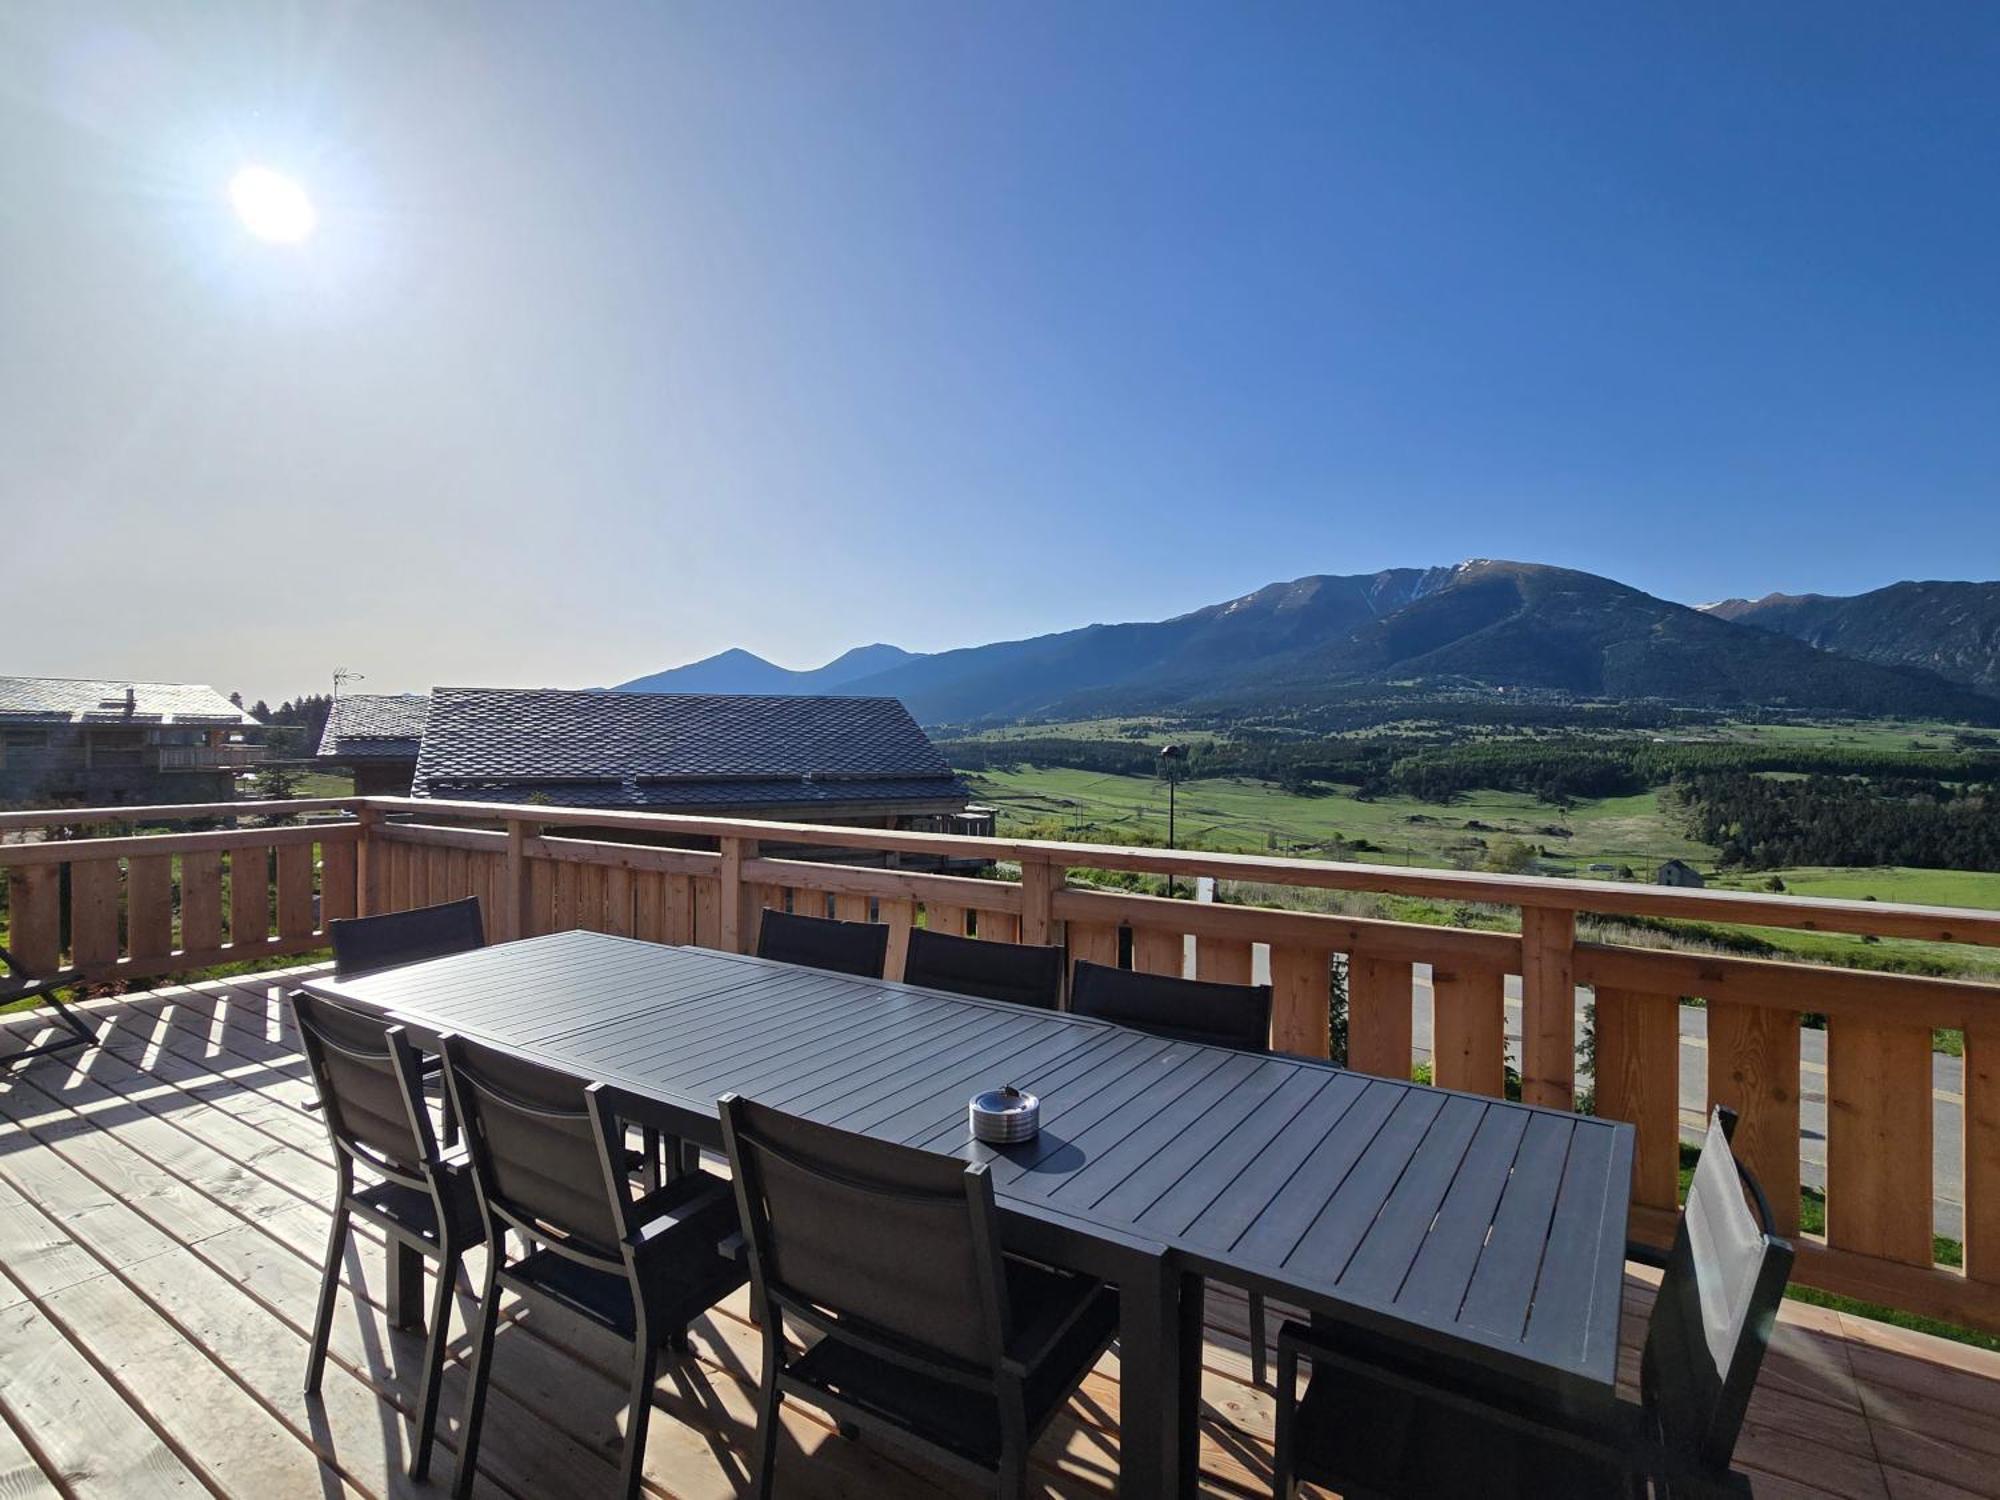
(1159, 1361)
(406, 1287)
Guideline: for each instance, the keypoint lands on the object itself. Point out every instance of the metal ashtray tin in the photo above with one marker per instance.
(1002, 1116)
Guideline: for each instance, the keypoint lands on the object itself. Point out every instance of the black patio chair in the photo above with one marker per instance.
(1188, 1010)
(1019, 973)
(1388, 1427)
(821, 943)
(548, 1162)
(371, 1093)
(366, 945)
(16, 983)
(927, 1332)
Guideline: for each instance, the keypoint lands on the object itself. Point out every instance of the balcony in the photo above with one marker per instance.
(209, 757)
(169, 1192)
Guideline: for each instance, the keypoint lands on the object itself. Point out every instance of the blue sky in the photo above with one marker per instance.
(632, 332)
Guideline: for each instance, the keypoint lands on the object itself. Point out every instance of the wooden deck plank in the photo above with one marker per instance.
(22, 1476)
(90, 1437)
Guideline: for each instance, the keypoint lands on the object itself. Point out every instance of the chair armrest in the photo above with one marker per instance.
(716, 1200)
(1033, 1341)
(1637, 1451)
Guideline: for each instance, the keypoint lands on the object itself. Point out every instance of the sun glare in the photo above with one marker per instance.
(272, 206)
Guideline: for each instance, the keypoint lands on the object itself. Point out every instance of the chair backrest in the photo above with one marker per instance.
(370, 1083)
(1717, 1301)
(892, 1245)
(538, 1159)
(1190, 1010)
(822, 943)
(1021, 973)
(362, 945)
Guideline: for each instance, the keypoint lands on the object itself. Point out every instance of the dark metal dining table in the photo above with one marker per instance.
(1471, 1230)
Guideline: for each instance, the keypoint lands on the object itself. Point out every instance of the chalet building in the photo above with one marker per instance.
(860, 761)
(375, 736)
(1680, 873)
(86, 742)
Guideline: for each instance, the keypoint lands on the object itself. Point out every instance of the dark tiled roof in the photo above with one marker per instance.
(375, 726)
(80, 700)
(610, 749)
(694, 796)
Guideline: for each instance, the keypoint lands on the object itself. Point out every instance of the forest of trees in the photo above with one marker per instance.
(1760, 823)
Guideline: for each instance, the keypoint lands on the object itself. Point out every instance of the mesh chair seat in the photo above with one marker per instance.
(968, 1421)
(690, 1216)
(1384, 1441)
(394, 1207)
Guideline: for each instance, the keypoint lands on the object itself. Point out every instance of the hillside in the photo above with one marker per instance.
(1952, 629)
(1481, 625)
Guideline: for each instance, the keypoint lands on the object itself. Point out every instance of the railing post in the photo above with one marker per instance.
(737, 924)
(517, 895)
(1548, 1007)
(367, 861)
(1039, 879)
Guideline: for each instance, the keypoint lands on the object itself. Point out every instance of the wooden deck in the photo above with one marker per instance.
(161, 1222)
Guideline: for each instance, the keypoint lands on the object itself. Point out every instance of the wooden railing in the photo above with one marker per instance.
(130, 907)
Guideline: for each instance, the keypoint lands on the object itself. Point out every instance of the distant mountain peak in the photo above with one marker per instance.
(740, 671)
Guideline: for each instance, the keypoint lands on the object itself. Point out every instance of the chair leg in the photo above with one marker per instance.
(435, 1340)
(1258, 1358)
(479, 1375)
(329, 1289)
(768, 1400)
(639, 1414)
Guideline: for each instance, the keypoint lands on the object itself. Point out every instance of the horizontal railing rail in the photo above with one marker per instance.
(126, 906)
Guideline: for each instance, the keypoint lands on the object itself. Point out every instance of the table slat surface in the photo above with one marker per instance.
(1478, 1221)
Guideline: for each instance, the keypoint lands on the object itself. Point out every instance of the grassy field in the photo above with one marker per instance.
(1638, 832)
(1258, 817)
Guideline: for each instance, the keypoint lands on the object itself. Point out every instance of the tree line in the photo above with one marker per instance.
(1759, 823)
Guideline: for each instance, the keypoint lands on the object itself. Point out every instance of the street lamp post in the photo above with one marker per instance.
(1171, 757)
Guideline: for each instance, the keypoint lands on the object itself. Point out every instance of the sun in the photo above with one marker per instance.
(272, 206)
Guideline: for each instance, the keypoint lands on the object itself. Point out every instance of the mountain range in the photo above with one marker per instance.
(1480, 625)
(1952, 629)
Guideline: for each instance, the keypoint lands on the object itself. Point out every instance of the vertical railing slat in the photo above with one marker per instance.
(201, 901)
(249, 896)
(1300, 988)
(1753, 1068)
(1878, 1139)
(149, 907)
(1638, 1080)
(93, 912)
(1378, 1016)
(1981, 1152)
(34, 916)
(1469, 1029)
(1222, 960)
(339, 881)
(295, 890)
(1548, 1007)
